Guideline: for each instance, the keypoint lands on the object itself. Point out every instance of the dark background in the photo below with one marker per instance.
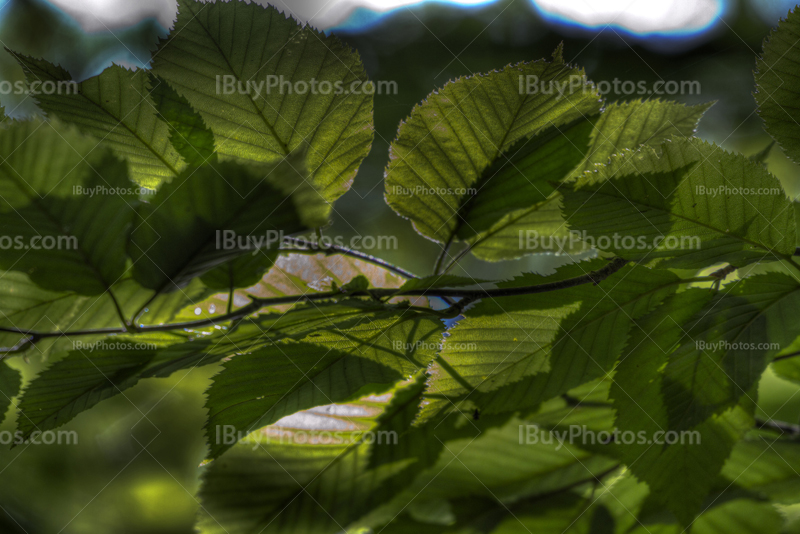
(135, 468)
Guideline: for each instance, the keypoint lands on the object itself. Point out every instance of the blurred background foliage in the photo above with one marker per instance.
(135, 468)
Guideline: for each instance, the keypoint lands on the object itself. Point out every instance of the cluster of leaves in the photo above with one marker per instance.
(341, 346)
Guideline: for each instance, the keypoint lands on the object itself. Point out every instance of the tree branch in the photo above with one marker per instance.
(313, 248)
(786, 356)
(256, 304)
(778, 426)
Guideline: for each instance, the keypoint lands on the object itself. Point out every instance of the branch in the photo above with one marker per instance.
(309, 247)
(778, 426)
(256, 304)
(786, 356)
(445, 249)
(313, 248)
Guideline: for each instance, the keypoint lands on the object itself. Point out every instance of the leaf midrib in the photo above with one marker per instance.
(259, 112)
(746, 326)
(596, 189)
(583, 325)
(119, 121)
(37, 202)
(344, 353)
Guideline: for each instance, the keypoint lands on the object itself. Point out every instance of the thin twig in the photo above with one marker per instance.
(787, 356)
(438, 265)
(778, 426)
(309, 247)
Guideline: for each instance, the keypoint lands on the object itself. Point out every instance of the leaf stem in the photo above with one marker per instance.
(125, 323)
(438, 265)
(457, 259)
(314, 248)
(231, 288)
(787, 356)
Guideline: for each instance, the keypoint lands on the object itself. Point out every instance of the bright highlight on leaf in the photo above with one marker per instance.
(253, 88)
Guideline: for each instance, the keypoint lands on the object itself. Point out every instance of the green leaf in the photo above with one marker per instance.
(99, 367)
(206, 217)
(10, 383)
(515, 352)
(188, 133)
(330, 365)
(692, 207)
(496, 464)
(251, 46)
(743, 516)
(789, 367)
(630, 125)
(115, 107)
(602, 521)
(540, 227)
(78, 382)
(298, 274)
(766, 466)
(27, 307)
(312, 210)
(450, 142)
(357, 284)
(680, 474)
(524, 175)
(729, 345)
(96, 370)
(778, 85)
(51, 206)
(277, 480)
(244, 271)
